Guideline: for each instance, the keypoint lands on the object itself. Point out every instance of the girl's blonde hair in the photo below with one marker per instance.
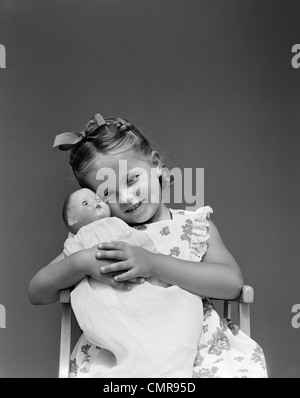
(126, 137)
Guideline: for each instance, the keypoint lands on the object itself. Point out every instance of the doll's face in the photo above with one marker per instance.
(86, 207)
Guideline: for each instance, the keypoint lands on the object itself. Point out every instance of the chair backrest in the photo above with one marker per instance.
(243, 302)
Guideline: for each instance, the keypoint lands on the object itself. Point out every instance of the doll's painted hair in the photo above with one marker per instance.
(66, 211)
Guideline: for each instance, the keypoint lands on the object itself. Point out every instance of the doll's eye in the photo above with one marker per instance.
(84, 203)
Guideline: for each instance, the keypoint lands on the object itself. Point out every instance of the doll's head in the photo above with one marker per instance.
(83, 207)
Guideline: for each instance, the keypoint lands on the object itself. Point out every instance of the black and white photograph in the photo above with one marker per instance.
(149, 191)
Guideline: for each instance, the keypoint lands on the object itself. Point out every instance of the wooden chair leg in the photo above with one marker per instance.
(227, 309)
(65, 336)
(244, 316)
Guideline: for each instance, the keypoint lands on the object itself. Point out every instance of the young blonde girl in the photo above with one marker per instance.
(194, 255)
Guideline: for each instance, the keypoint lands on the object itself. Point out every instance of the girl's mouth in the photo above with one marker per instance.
(134, 207)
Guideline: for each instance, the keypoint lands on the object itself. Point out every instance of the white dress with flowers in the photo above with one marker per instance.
(224, 351)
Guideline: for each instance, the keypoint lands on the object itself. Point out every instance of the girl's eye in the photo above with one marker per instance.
(132, 179)
(84, 203)
(103, 194)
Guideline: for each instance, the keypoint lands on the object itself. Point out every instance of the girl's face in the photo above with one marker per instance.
(129, 183)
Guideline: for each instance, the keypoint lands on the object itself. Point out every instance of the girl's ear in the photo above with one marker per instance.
(156, 162)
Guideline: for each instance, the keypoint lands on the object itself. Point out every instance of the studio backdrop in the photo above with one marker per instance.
(214, 84)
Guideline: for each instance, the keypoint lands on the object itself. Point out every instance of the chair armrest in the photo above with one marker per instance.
(246, 296)
(64, 296)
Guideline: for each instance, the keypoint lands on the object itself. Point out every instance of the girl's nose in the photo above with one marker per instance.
(125, 196)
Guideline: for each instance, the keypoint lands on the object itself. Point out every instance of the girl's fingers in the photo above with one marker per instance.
(135, 281)
(118, 285)
(125, 277)
(115, 267)
(112, 254)
(114, 245)
(109, 280)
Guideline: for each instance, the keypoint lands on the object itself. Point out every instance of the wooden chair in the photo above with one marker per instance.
(243, 303)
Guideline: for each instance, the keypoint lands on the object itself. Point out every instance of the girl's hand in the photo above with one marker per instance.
(92, 268)
(132, 261)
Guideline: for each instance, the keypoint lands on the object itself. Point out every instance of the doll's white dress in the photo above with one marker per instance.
(224, 351)
(135, 328)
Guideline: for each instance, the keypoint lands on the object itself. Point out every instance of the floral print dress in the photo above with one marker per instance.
(224, 351)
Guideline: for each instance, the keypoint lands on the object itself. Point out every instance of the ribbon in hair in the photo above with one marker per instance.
(68, 140)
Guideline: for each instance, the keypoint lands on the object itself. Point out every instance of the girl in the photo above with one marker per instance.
(194, 255)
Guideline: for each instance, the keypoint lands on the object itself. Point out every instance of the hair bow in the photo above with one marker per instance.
(68, 140)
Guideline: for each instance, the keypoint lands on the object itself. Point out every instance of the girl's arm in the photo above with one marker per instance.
(64, 272)
(61, 273)
(218, 275)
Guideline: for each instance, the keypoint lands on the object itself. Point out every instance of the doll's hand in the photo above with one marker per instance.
(92, 268)
(132, 261)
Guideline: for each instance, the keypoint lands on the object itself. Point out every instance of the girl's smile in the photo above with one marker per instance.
(134, 208)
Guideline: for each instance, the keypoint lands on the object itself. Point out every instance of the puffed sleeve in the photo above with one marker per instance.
(200, 233)
(72, 244)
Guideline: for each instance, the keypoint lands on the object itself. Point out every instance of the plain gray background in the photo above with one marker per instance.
(211, 82)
